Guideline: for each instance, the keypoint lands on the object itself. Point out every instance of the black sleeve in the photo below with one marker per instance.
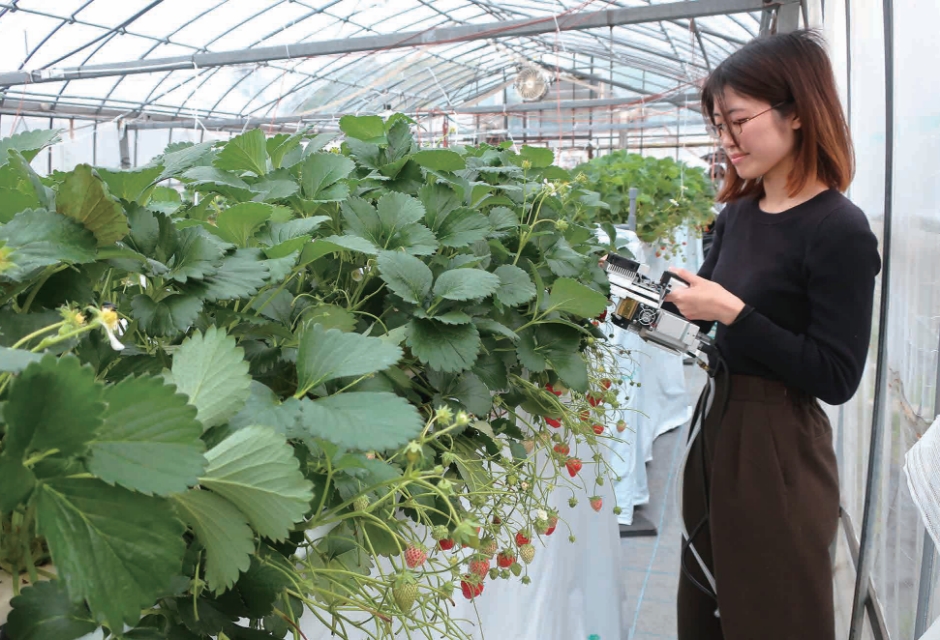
(707, 268)
(827, 361)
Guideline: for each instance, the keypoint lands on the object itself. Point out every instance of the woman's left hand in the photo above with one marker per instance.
(704, 299)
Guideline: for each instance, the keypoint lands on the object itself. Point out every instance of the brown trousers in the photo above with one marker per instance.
(773, 512)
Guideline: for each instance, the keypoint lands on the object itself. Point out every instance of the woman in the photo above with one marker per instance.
(790, 282)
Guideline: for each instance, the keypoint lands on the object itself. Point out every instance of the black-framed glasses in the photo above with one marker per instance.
(736, 126)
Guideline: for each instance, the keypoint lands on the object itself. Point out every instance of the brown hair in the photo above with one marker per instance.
(791, 70)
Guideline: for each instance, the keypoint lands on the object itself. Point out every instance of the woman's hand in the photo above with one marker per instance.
(704, 299)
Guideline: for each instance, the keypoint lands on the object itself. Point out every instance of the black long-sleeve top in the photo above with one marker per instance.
(806, 276)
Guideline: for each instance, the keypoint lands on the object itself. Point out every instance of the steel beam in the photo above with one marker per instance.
(444, 35)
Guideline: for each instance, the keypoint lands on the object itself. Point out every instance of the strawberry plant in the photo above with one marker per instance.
(289, 387)
(670, 195)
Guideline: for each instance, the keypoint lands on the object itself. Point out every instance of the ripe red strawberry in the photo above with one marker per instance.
(470, 587)
(527, 553)
(552, 389)
(598, 429)
(603, 315)
(597, 503)
(415, 556)
(522, 538)
(563, 449)
(550, 531)
(552, 523)
(573, 465)
(497, 520)
(480, 567)
(606, 382)
(585, 415)
(621, 426)
(594, 400)
(445, 544)
(505, 559)
(553, 423)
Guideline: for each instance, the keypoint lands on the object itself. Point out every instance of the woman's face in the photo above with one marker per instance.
(764, 143)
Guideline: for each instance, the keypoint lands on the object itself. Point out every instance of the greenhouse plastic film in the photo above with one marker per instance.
(921, 465)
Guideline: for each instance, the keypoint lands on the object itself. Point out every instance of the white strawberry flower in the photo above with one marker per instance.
(541, 514)
(112, 324)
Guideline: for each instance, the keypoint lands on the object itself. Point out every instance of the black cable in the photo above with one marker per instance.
(723, 375)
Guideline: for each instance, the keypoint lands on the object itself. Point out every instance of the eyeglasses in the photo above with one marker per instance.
(716, 130)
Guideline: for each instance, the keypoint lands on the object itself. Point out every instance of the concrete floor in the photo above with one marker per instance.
(651, 564)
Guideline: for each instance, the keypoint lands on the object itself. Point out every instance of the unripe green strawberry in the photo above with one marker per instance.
(439, 532)
(404, 592)
(516, 569)
(527, 553)
(488, 546)
(361, 503)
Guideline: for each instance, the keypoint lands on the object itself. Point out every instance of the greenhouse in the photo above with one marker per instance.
(469, 319)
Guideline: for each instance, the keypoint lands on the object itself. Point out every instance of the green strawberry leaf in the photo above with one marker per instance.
(407, 276)
(362, 420)
(440, 159)
(85, 198)
(255, 469)
(211, 370)
(515, 285)
(466, 284)
(28, 143)
(572, 296)
(169, 317)
(280, 232)
(326, 355)
(204, 178)
(240, 275)
(448, 348)
(277, 185)
(365, 128)
(540, 157)
(321, 174)
(462, 227)
(17, 481)
(150, 441)
(37, 238)
(245, 152)
(132, 186)
(115, 549)
(44, 612)
(196, 255)
(54, 404)
(239, 222)
(223, 530)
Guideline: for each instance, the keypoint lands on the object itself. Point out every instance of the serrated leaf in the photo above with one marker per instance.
(17, 482)
(540, 157)
(238, 223)
(321, 172)
(245, 152)
(473, 394)
(325, 355)
(44, 611)
(365, 128)
(132, 186)
(179, 157)
(17, 192)
(451, 317)
(397, 210)
(150, 441)
(362, 420)
(113, 548)
(275, 186)
(321, 247)
(466, 284)
(279, 232)
(204, 178)
(28, 143)
(223, 530)
(515, 285)
(264, 409)
(448, 348)
(169, 317)
(239, 276)
(440, 159)
(503, 218)
(195, 255)
(572, 296)
(405, 275)
(255, 469)
(557, 347)
(54, 404)
(280, 145)
(496, 328)
(84, 198)
(462, 227)
(330, 316)
(37, 238)
(211, 370)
